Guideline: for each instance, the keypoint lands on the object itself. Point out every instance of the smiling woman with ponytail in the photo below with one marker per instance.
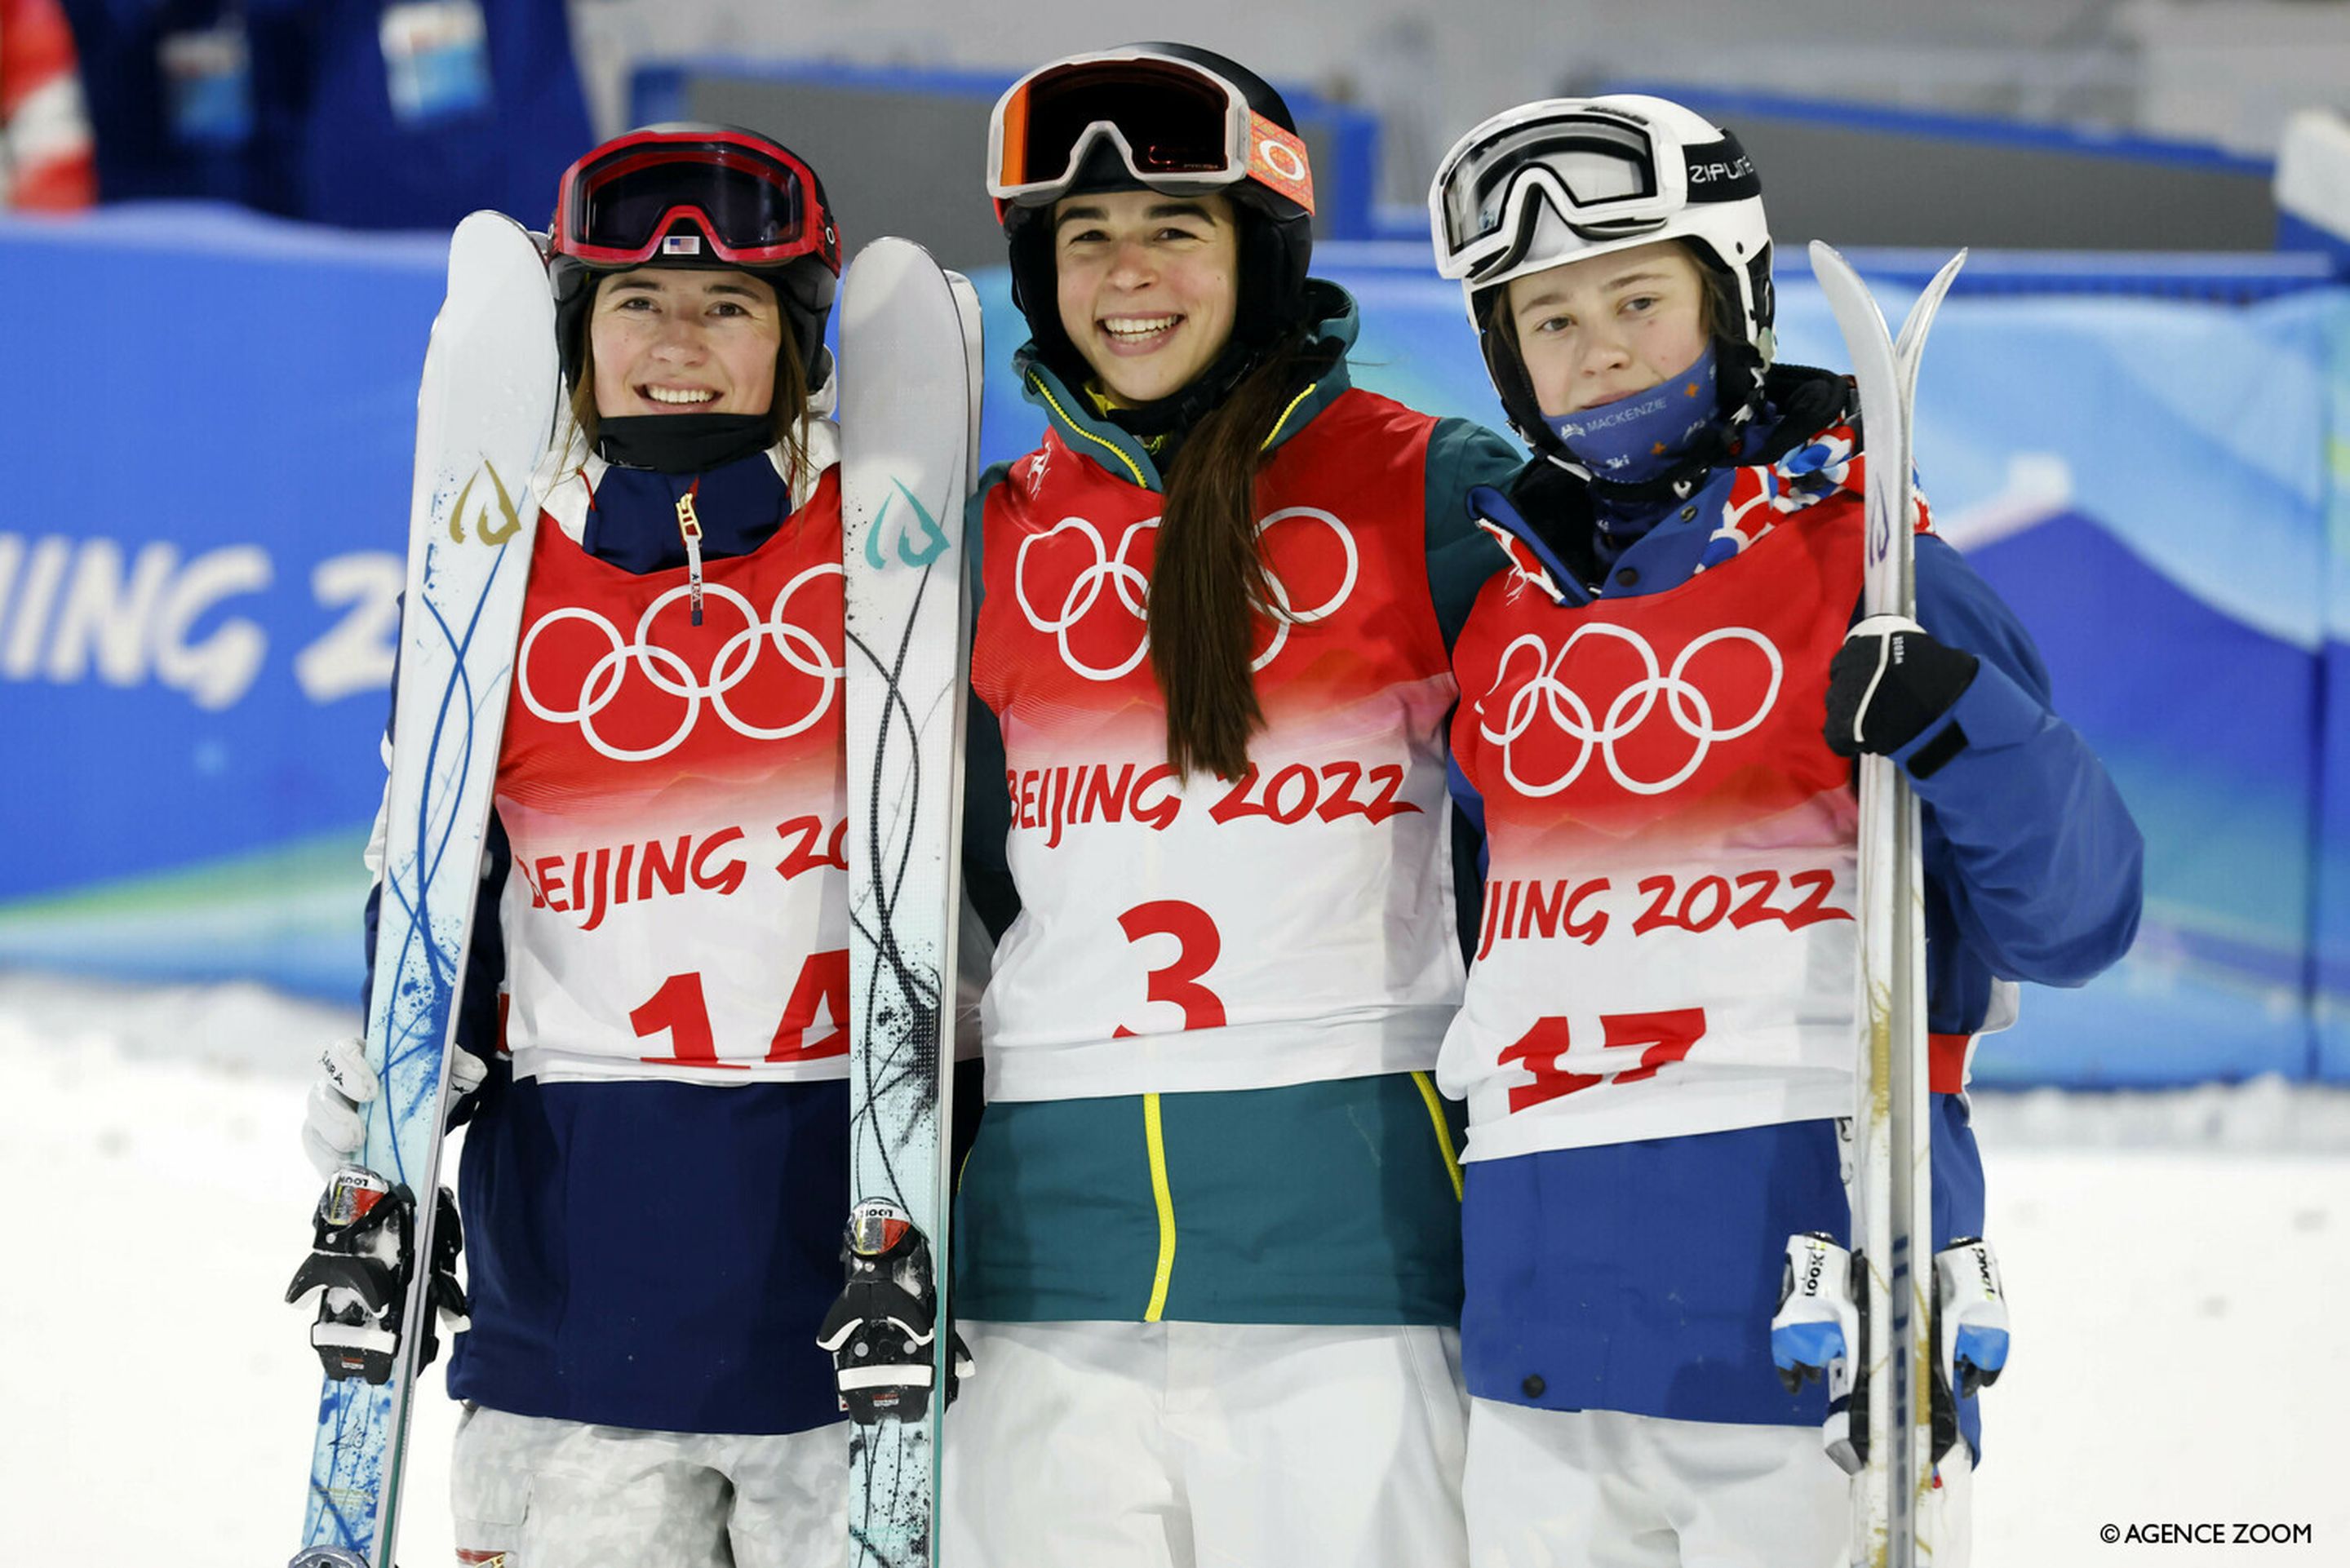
(1207, 825)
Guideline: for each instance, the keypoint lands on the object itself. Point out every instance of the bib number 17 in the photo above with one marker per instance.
(1660, 1038)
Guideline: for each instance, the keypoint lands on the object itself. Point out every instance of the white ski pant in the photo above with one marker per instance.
(1189, 1445)
(1599, 1489)
(529, 1493)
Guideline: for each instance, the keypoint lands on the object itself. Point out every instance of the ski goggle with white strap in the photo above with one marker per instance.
(753, 203)
(1179, 128)
(1609, 177)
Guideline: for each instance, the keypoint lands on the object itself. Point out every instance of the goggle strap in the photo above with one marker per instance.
(1277, 160)
(1721, 171)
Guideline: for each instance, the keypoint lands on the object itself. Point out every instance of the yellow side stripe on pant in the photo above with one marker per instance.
(1165, 1198)
(1443, 1129)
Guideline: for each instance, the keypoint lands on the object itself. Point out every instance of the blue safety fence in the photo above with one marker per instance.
(200, 537)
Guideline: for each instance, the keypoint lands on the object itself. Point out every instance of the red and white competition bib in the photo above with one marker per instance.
(1291, 924)
(1668, 944)
(675, 800)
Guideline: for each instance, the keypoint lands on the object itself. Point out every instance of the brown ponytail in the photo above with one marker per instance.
(1208, 576)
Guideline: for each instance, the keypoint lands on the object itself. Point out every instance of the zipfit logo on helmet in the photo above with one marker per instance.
(1713, 174)
(1721, 171)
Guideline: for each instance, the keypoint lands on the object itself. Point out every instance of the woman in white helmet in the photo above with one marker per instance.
(1660, 702)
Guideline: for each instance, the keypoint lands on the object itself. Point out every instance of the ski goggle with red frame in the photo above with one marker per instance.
(1180, 129)
(755, 203)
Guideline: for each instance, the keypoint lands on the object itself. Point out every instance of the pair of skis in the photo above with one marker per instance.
(487, 413)
(1891, 1178)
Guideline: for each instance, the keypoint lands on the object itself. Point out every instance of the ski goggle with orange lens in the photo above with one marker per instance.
(753, 203)
(1180, 129)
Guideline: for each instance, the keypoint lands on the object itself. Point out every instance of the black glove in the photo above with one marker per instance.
(1887, 684)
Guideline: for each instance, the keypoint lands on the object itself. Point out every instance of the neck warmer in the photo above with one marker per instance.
(1643, 436)
(682, 444)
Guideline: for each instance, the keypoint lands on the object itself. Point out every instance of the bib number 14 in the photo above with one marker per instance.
(680, 1009)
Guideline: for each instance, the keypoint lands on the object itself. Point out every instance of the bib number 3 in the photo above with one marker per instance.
(1197, 947)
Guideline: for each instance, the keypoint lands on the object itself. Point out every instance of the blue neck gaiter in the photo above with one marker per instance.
(1640, 437)
(1635, 439)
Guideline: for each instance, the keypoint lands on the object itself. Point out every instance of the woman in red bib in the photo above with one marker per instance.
(656, 1164)
(1660, 701)
(1207, 1243)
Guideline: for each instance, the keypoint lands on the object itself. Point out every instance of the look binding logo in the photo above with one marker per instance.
(1684, 715)
(498, 519)
(608, 676)
(1121, 632)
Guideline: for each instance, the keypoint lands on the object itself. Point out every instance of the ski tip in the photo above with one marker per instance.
(1826, 255)
(484, 240)
(487, 219)
(891, 250)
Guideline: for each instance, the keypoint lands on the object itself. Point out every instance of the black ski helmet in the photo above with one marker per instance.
(1081, 115)
(693, 195)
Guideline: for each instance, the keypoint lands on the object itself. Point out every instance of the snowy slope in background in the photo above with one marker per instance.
(2175, 1262)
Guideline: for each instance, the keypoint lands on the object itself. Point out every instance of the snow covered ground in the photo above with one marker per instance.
(2177, 1265)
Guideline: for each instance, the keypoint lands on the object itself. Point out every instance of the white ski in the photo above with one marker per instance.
(485, 410)
(1891, 1182)
(909, 423)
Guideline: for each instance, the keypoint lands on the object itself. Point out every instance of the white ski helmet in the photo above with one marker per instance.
(1562, 179)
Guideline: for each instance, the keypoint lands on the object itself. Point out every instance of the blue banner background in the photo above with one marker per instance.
(202, 524)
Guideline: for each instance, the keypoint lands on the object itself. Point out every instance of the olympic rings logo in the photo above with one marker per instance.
(669, 673)
(1111, 572)
(1683, 703)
